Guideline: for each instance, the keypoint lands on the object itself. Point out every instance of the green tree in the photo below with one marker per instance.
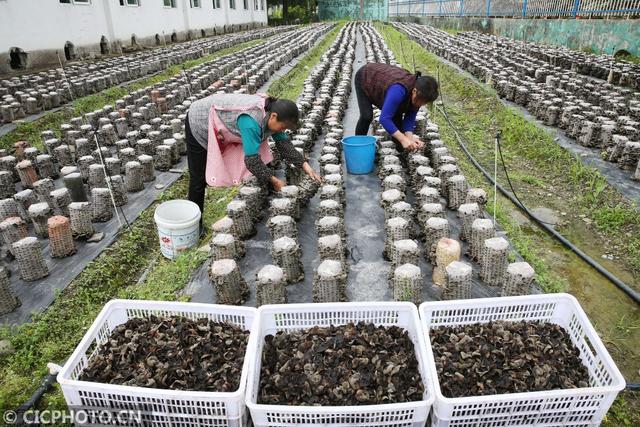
(302, 10)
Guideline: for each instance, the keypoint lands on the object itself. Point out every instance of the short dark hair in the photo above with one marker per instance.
(286, 110)
(427, 88)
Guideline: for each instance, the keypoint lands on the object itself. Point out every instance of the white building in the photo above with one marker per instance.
(34, 32)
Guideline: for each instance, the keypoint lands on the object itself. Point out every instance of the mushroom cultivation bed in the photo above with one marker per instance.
(140, 133)
(600, 66)
(373, 237)
(368, 363)
(602, 117)
(30, 94)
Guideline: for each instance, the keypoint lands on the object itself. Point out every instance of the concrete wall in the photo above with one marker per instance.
(599, 35)
(146, 21)
(35, 25)
(42, 27)
(350, 9)
(239, 14)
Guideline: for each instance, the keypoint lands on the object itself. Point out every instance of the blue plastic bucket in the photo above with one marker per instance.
(359, 153)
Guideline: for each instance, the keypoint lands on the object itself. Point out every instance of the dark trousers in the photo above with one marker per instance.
(197, 161)
(364, 104)
(366, 109)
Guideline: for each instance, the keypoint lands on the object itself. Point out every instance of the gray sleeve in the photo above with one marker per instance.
(289, 153)
(199, 120)
(256, 166)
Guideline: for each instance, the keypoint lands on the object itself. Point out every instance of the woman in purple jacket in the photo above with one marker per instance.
(399, 94)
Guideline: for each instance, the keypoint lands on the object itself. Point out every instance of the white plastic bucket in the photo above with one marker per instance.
(178, 226)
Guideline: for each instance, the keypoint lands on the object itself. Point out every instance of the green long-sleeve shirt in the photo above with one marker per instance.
(251, 136)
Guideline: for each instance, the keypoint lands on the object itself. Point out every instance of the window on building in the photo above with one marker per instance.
(262, 4)
(169, 3)
(232, 4)
(255, 4)
(195, 3)
(65, 1)
(81, 1)
(216, 4)
(129, 2)
(246, 4)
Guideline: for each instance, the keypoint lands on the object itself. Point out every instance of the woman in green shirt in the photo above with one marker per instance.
(226, 136)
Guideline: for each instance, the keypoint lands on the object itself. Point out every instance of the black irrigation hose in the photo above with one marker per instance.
(586, 258)
(506, 173)
(47, 384)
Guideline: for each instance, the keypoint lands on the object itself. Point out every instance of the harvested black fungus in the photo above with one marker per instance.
(506, 357)
(174, 353)
(340, 366)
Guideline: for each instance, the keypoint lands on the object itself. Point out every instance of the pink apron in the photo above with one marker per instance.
(225, 155)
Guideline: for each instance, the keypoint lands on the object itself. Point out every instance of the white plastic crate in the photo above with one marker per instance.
(157, 407)
(288, 317)
(570, 407)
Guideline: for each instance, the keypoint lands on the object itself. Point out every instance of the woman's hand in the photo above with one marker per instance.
(407, 141)
(409, 144)
(306, 167)
(277, 184)
(415, 139)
